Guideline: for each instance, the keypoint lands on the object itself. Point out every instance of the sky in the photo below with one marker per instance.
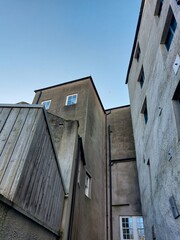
(48, 42)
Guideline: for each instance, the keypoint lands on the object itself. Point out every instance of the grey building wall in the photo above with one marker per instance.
(125, 186)
(91, 117)
(14, 225)
(157, 141)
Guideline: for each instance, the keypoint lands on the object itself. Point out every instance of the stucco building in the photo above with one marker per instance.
(68, 167)
(154, 87)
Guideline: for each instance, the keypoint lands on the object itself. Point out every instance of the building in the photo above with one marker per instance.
(153, 80)
(68, 167)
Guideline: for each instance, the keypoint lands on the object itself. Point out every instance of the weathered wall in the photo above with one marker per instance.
(30, 174)
(90, 115)
(125, 186)
(14, 225)
(157, 142)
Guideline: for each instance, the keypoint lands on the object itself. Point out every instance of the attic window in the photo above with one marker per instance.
(71, 99)
(46, 104)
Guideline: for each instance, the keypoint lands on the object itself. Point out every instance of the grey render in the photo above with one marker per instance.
(157, 139)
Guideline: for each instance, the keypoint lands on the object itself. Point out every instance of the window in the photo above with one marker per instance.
(71, 99)
(88, 181)
(176, 105)
(137, 52)
(132, 228)
(169, 29)
(141, 77)
(144, 111)
(46, 104)
(158, 8)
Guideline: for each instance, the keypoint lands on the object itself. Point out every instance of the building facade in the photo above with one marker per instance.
(154, 87)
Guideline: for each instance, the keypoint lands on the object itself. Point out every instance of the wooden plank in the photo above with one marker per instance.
(33, 175)
(47, 191)
(31, 164)
(44, 179)
(19, 168)
(20, 150)
(7, 129)
(4, 113)
(49, 212)
(42, 174)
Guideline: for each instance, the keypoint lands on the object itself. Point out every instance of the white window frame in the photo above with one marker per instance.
(88, 185)
(46, 104)
(134, 227)
(73, 102)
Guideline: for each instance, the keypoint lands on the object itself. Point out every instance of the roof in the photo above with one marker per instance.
(135, 39)
(74, 81)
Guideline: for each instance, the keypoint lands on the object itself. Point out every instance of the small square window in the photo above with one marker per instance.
(71, 99)
(46, 104)
(137, 52)
(141, 77)
(144, 111)
(169, 29)
(88, 182)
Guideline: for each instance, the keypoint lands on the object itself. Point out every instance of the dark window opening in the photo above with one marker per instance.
(144, 111)
(169, 29)
(141, 77)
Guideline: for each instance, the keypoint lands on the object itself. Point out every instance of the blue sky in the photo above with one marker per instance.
(47, 42)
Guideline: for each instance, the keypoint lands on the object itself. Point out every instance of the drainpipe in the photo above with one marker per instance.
(110, 182)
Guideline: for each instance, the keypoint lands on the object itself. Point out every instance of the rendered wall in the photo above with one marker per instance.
(157, 142)
(14, 225)
(90, 115)
(124, 177)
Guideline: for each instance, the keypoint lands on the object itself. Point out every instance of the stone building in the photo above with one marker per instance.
(153, 80)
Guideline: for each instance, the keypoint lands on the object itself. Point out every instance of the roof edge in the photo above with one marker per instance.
(61, 84)
(114, 108)
(135, 39)
(74, 81)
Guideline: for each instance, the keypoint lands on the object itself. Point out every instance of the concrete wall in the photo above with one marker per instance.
(14, 225)
(157, 142)
(90, 115)
(125, 186)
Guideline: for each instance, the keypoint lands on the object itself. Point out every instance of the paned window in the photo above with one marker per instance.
(132, 228)
(71, 99)
(46, 104)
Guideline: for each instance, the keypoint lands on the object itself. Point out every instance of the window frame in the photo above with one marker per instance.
(137, 52)
(169, 29)
(134, 228)
(141, 78)
(144, 111)
(71, 102)
(44, 104)
(158, 8)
